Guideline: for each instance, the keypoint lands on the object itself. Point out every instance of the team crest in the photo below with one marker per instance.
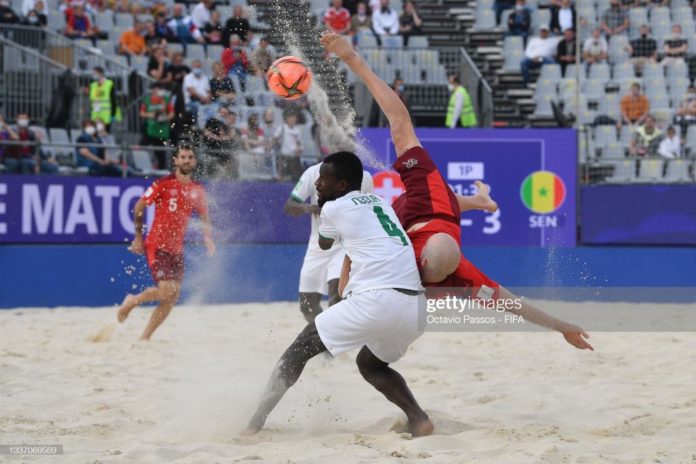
(410, 163)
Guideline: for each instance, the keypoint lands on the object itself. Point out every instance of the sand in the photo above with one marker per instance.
(185, 396)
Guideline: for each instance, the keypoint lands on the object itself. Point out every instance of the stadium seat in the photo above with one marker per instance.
(624, 171)
(610, 106)
(600, 71)
(624, 71)
(543, 106)
(545, 87)
(540, 17)
(575, 72)
(484, 20)
(604, 135)
(225, 12)
(550, 71)
(214, 52)
(593, 88)
(636, 18)
(618, 52)
(419, 41)
(650, 170)
(393, 41)
(613, 152)
(367, 40)
(678, 69)
(105, 20)
(678, 171)
(124, 20)
(513, 51)
(140, 63)
(195, 52)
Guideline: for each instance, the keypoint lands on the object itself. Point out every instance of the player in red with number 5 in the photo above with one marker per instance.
(176, 197)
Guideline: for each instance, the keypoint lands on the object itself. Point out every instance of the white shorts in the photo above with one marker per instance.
(384, 320)
(319, 267)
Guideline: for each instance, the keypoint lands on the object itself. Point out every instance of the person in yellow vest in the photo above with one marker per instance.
(647, 138)
(102, 99)
(460, 109)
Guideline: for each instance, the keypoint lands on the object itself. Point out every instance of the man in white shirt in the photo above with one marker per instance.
(670, 146)
(385, 21)
(289, 135)
(384, 296)
(321, 269)
(540, 50)
(196, 88)
(201, 13)
(595, 49)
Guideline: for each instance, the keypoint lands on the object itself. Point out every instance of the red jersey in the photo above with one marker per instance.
(427, 194)
(338, 20)
(174, 202)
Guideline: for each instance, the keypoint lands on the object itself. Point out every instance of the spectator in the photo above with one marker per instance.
(161, 28)
(78, 24)
(235, 60)
(178, 68)
(520, 20)
(92, 155)
(409, 22)
(686, 113)
(337, 18)
(36, 5)
(563, 17)
(237, 25)
(268, 126)
(221, 86)
(7, 15)
(132, 41)
(615, 19)
(595, 49)
(647, 139)
(196, 88)
(214, 29)
(385, 21)
(36, 16)
(539, 51)
(643, 49)
(290, 137)
(42, 163)
(670, 146)
(262, 57)
(102, 98)
(223, 140)
(399, 86)
(634, 107)
(460, 110)
(566, 51)
(361, 21)
(157, 110)
(158, 68)
(676, 47)
(254, 137)
(182, 27)
(501, 5)
(201, 14)
(152, 40)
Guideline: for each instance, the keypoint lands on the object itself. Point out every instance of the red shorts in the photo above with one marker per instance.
(165, 265)
(466, 275)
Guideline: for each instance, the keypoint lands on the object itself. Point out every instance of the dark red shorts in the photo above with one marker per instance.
(164, 265)
(467, 275)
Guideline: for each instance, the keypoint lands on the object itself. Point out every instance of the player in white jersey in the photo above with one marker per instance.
(380, 314)
(321, 269)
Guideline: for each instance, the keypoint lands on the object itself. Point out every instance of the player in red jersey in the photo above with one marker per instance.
(429, 210)
(176, 197)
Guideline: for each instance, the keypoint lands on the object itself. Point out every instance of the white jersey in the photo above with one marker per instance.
(305, 189)
(369, 232)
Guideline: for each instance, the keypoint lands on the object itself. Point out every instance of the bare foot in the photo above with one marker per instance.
(249, 431)
(421, 428)
(126, 307)
(483, 197)
(335, 44)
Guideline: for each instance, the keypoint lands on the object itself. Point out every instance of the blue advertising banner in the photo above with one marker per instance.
(532, 174)
(639, 215)
(47, 209)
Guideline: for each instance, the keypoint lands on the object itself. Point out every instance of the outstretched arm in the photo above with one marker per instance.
(402, 132)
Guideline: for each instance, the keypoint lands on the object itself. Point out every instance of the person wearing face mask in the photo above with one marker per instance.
(643, 49)
(595, 49)
(34, 5)
(460, 110)
(361, 21)
(520, 20)
(7, 15)
(196, 88)
(409, 22)
(102, 98)
(36, 16)
(132, 41)
(158, 112)
(337, 18)
(676, 47)
(91, 155)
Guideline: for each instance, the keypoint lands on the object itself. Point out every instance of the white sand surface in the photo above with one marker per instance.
(185, 396)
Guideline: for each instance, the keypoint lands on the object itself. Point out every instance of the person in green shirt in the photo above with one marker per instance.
(158, 112)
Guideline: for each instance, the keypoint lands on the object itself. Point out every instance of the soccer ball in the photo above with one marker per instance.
(289, 77)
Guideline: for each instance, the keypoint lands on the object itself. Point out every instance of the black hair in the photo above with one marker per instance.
(99, 69)
(455, 78)
(347, 166)
(184, 146)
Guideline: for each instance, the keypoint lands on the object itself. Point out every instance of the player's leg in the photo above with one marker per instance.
(482, 201)
(334, 297)
(403, 134)
(307, 345)
(131, 301)
(393, 386)
(169, 295)
(310, 305)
